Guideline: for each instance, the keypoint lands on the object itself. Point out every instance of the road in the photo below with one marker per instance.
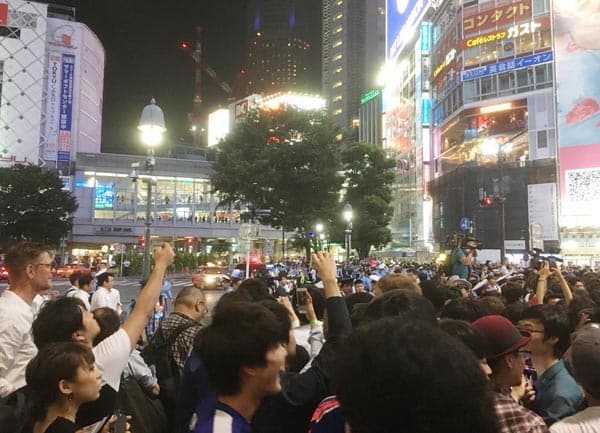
(129, 287)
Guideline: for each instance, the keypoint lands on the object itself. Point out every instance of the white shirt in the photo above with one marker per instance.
(76, 292)
(586, 421)
(104, 297)
(16, 342)
(111, 356)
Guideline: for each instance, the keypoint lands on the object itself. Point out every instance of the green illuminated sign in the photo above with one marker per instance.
(369, 95)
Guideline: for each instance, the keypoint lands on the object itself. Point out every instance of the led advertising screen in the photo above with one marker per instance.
(402, 21)
(577, 52)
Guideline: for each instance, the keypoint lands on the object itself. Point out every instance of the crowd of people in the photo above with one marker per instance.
(363, 347)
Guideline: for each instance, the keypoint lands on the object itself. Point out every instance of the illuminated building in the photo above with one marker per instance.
(283, 46)
(51, 84)
(493, 131)
(112, 208)
(353, 47)
(407, 121)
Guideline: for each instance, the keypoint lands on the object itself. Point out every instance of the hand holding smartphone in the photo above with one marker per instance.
(301, 299)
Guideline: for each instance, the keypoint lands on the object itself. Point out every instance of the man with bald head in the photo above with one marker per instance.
(190, 308)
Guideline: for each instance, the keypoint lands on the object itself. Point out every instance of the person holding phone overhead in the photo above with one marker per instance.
(62, 377)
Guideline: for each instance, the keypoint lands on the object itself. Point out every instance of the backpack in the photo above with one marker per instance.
(16, 411)
(157, 353)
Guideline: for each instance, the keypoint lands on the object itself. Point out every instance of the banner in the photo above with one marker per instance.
(66, 108)
(53, 91)
(402, 20)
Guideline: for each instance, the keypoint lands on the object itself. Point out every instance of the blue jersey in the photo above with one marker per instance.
(217, 417)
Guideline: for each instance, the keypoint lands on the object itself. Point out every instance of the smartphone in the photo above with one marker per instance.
(530, 374)
(120, 423)
(301, 299)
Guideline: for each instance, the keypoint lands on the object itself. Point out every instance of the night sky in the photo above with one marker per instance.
(143, 59)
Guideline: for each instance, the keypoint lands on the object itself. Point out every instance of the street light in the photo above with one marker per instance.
(152, 128)
(320, 235)
(348, 231)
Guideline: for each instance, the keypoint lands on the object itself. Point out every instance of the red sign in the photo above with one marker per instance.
(3, 14)
(480, 20)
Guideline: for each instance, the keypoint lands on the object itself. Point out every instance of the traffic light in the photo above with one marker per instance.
(486, 201)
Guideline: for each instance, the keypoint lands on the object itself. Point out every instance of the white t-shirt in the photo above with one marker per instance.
(112, 355)
(75, 292)
(586, 421)
(16, 342)
(103, 297)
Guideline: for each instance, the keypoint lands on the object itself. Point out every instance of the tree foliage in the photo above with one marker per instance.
(369, 179)
(34, 206)
(285, 160)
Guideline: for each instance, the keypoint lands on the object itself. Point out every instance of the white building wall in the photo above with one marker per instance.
(22, 55)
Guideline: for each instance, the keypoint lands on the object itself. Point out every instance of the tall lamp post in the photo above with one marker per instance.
(348, 231)
(152, 128)
(320, 235)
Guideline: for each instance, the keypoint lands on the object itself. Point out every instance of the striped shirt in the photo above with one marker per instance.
(219, 418)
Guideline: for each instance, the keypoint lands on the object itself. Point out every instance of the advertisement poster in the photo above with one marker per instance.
(577, 52)
(402, 20)
(66, 108)
(53, 90)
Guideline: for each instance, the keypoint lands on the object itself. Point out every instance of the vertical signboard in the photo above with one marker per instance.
(66, 108)
(53, 90)
(541, 208)
(577, 52)
(63, 44)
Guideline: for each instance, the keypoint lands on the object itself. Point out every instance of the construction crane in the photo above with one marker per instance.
(233, 93)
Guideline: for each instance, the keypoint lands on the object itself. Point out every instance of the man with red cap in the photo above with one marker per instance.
(506, 360)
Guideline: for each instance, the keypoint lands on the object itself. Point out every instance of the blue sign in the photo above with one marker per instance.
(66, 108)
(402, 20)
(310, 234)
(508, 65)
(425, 111)
(465, 223)
(105, 194)
(425, 36)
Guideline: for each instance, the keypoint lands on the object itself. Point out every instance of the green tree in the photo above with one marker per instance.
(287, 161)
(369, 179)
(34, 206)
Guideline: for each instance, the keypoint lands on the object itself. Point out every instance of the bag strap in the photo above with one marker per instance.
(177, 332)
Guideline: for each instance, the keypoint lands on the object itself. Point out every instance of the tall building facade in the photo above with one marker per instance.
(353, 47)
(494, 130)
(406, 96)
(51, 85)
(283, 46)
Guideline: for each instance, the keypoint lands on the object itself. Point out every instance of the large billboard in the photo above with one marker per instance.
(577, 52)
(402, 20)
(63, 44)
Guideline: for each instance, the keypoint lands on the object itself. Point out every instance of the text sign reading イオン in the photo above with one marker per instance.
(508, 65)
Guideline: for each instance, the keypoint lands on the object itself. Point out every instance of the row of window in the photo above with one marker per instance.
(494, 86)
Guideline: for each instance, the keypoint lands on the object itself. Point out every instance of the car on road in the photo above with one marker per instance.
(209, 277)
(3, 274)
(69, 269)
